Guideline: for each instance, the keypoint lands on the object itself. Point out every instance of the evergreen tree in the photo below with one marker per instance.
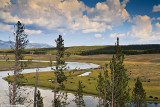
(59, 74)
(139, 93)
(39, 99)
(104, 89)
(107, 88)
(119, 78)
(18, 48)
(79, 95)
(100, 89)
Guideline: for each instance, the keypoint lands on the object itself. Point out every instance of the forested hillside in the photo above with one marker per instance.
(93, 50)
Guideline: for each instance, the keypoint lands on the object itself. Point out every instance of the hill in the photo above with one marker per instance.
(93, 50)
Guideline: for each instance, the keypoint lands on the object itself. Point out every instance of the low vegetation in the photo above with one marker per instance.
(4, 66)
(146, 67)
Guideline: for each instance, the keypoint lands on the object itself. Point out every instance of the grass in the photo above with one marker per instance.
(9, 65)
(147, 67)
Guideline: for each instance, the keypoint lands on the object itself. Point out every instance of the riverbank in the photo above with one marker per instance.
(89, 82)
(146, 66)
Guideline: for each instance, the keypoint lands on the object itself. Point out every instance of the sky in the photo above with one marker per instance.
(83, 22)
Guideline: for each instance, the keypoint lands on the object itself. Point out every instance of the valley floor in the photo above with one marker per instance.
(146, 66)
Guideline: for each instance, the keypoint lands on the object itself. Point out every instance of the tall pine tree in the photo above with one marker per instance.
(104, 88)
(59, 74)
(100, 89)
(119, 78)
(18, 47)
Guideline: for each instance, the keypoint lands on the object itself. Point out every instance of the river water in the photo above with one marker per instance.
(47, 94)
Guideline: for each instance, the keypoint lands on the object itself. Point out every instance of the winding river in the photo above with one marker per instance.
(47, 94)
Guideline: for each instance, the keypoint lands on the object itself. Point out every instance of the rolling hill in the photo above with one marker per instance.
(90, 50)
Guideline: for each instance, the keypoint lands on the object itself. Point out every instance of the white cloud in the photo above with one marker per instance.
(143, 29)
(5, 3)
(156, 8)
(33, 31)
(158, 18)
(98, 35)
(60, 15)
(88, 26)
(157, 25)
(4, 27)
(113, 35)
(128, 33)
(111, 12)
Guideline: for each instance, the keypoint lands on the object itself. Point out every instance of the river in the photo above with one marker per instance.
(47, 94)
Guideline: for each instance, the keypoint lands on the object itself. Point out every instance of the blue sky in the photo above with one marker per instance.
(83, 22)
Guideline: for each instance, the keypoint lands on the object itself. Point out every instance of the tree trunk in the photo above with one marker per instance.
(105, 85)
(55, 91)
(113, 87)
(35, 90)
(15, 73)
(10, 94)
(99, 100)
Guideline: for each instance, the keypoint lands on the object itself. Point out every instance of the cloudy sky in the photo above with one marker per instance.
(83, 22)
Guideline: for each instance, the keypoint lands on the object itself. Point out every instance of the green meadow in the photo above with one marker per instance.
(145, 66)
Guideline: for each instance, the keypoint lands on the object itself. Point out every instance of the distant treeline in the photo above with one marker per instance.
(93, 50)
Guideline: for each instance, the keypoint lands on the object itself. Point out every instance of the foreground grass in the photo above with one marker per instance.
(152, 88)
(147, 67)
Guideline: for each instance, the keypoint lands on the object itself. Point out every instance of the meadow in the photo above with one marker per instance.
(145, 66)
(6, 65)
(9, 65)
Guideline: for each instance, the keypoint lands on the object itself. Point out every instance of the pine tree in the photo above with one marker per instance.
(79, 95)
(39, 99)
(139, 93)
(104, 89)
(107, 88)
(100, 89)
(119, 78)
(59, 74)
(18, 48)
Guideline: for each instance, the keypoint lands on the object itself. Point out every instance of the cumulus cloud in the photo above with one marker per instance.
(60, 15)
(143, 29)
(158, 25)
(103, 16)
(33, 31)
(113, 35)
(156, 8)
(88, 26)
(4, 4)
(4, 27)
(97, 35)
(111, 12)
(128, 33)
(158, 18)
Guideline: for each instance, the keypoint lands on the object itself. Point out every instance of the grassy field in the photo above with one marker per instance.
(147, 67)
(9, 65)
